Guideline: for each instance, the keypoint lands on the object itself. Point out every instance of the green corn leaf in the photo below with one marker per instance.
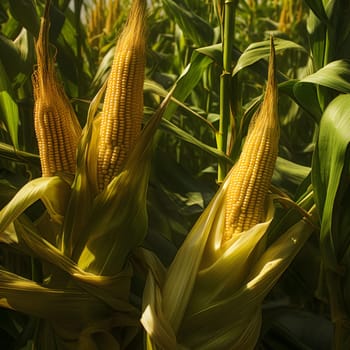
(193, 26)
(9, 111)
(3, 15)
(11, 57)
(317, 7)
(73, 52)
(215, 52)
(187, 81)
(317, 31)
(104, 68)
(261, 50)
(334, 76)
(328, 164)
(8, 107)
(257, 64)
(286, 170)
(183, 135)
(339, 30)
(9, 152)
(305, 95)
(152, 86)
(25, 12)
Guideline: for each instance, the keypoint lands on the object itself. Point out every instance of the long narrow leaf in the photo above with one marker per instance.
(188, 80)
(261, 50)
(9, 114)
(328, 163)
(183, 135)
(334, 76)
(318, 8)
(193, 26)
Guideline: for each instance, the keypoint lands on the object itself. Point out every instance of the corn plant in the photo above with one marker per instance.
(174, 174)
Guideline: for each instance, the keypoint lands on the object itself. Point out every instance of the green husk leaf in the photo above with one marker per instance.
(121, 209)
(236, 312)
(84, 187)
(246, 301)
(75, 315)
(113, 290)
(200, 285)
(52, 191)
(21, 294)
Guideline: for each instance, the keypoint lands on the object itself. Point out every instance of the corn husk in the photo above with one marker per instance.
(211, 296)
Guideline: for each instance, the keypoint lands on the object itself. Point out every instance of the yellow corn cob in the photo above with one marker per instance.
(122, 110)
(245, 201)
(56, 126)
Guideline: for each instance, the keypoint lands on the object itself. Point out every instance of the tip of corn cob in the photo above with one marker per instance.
(250, 178)
(135, 26)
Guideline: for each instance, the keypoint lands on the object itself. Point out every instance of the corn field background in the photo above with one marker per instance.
(205, 76)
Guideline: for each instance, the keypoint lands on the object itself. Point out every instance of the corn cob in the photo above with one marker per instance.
(56, 125)
(247, 190)
(122, 110)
